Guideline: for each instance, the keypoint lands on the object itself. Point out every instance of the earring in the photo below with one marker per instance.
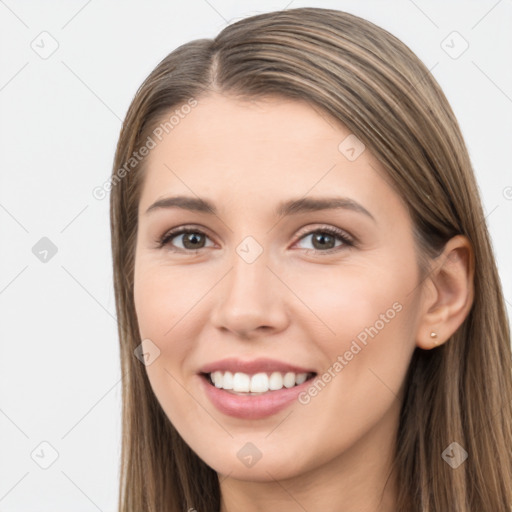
(433, 335)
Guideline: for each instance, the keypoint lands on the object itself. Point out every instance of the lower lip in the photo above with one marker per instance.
(252, 407)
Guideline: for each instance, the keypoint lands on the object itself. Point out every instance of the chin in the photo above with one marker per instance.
(247, 463)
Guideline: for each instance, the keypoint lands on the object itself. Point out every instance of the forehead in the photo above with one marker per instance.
(259, 152)
(272, 122)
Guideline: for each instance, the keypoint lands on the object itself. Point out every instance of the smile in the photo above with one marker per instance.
(258, 383)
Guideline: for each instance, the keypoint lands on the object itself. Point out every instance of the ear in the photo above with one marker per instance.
(448, 293)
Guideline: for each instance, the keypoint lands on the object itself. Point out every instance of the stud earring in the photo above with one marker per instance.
(433, 335)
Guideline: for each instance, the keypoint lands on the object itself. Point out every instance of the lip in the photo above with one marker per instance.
(251, 367)
(251, 407)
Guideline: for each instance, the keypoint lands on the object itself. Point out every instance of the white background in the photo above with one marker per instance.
(59, 122)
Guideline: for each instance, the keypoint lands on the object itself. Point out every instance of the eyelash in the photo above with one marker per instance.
(335, 232)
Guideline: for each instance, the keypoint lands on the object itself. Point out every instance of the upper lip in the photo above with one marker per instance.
(253, 366)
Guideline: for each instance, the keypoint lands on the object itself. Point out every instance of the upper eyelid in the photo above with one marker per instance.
(303, 232)
(341, 232)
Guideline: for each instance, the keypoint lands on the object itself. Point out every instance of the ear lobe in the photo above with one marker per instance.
(448, 293)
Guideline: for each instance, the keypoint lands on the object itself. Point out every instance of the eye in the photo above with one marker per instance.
(191, 239)
(324, 239)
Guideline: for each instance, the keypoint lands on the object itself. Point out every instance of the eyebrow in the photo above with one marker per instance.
(286, 208)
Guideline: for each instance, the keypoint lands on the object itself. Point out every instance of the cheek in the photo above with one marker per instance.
(369, 316)
(170, 306)
(163, 298)
(164, 310)
(372, 314)
(351, 298)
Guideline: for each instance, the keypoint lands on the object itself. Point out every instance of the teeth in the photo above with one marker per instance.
(241, 382)
(289, 380)
(276, 381)
(217, 379)
(257, 383)
(300, 378)
(227, 381)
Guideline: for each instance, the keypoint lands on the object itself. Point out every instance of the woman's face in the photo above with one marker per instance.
(267, 288)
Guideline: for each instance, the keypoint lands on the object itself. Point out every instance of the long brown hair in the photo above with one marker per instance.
(365, 77)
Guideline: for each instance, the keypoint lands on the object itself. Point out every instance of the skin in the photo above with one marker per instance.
(294, 303)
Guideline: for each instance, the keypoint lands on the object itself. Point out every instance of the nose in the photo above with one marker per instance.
(251, 300)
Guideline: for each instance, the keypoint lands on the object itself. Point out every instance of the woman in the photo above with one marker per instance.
(310, 314)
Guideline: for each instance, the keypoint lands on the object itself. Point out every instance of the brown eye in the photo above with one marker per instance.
(193, 240)
(327, 239)
(186, 239)
(323, 241)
